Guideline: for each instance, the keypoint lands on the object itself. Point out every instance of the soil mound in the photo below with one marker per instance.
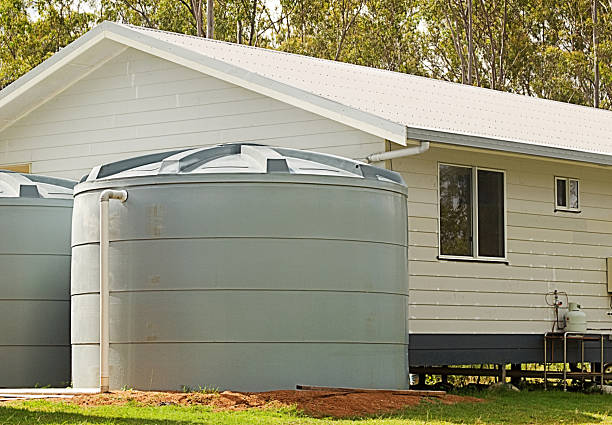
(337, 404)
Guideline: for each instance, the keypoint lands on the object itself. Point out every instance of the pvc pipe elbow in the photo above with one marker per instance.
(383, 156)
(108, 194)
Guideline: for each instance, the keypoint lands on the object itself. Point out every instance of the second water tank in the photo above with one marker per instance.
(35, 217)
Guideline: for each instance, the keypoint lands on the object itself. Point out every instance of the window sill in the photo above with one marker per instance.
(473, 259)
(567, 210)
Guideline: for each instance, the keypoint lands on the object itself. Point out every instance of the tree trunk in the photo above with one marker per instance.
(470, 47)
(456, 41)
(196, 10)
(502, 49)
(253, 19)
(210, 19)
(595, 58)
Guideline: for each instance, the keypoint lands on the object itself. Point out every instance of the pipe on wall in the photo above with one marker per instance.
(400, 153)
(105, 197)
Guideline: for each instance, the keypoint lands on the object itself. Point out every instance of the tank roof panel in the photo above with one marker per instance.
(18, 185)
(241, 158)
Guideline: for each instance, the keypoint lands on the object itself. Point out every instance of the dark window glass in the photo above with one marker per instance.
(455, 210)
(561, 193)
(573, 194)
(491, 214)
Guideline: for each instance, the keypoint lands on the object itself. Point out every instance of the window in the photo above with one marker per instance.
(566, 194)
(19, 168)
(472, 212)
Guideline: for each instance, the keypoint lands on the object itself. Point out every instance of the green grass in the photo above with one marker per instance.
(508, 408)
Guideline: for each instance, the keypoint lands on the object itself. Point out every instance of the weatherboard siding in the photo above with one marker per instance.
(137, 103)
(547, 250)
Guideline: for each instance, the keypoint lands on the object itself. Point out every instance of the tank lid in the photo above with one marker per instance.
(17, 185)
(241, 158)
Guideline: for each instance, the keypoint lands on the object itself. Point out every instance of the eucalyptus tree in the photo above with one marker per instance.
(32, 31)
(547, 48)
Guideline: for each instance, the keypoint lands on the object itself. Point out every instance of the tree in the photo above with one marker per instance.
(26, 42)
(387, 37)
(15, 40)
(168, 15)
(321, 29)
(556, 49)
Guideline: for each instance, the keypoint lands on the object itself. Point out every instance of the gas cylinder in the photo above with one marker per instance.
(575, 319)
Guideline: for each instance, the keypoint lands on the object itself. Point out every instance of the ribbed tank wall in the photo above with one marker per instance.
(251, 284)
(34, 291)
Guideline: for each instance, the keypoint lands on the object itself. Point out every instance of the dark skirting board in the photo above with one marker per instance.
(458, 349)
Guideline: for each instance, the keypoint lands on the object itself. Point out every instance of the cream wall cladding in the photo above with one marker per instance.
(137, 103)
(547, 250)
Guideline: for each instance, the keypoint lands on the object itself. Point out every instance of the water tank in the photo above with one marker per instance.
(35, 216)
(243, 267)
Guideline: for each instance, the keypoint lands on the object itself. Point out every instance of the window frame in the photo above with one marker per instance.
(567, 196)
(475, 256)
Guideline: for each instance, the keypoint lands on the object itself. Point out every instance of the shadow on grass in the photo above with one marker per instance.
(20, 415)
(56, 413)
(517, 408)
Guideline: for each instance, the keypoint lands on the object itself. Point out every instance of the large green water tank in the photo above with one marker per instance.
(244, 267)
(35, 217)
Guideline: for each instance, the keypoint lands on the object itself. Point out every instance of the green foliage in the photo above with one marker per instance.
(32, 30)
(204, 389)
(540, 48)
(15, 34)
(169, 15)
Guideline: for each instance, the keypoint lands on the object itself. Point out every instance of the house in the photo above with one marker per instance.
(510, 201)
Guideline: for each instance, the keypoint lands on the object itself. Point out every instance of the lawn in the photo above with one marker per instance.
(535, 407)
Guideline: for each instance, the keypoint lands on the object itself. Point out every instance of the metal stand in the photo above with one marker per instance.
(572, 336)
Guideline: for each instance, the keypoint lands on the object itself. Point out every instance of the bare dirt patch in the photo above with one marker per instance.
(315, 403)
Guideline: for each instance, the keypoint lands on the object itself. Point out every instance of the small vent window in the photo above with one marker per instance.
(567, 194)
(18, 168)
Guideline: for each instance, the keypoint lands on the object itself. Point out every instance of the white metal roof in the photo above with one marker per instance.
(388, 104)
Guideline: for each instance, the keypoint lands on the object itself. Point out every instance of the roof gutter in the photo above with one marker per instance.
(400, 153)
(511, 146)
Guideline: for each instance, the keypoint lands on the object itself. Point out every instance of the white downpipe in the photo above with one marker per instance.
(105, 197)
(400, 153)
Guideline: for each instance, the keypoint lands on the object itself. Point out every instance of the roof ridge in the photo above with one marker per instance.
(283, 52)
